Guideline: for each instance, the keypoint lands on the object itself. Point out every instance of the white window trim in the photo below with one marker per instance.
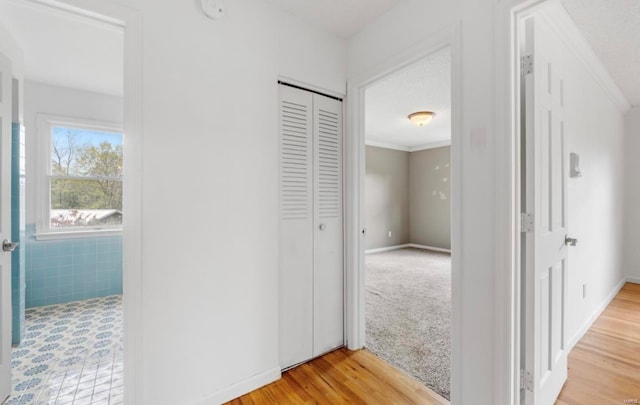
(45, 123)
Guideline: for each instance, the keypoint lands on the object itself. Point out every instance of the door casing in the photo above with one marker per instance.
(130, 18)
(354, 144)
(6, 115)
(507, 347)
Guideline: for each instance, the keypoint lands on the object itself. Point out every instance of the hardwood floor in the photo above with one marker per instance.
(343, 377)
(604, 367)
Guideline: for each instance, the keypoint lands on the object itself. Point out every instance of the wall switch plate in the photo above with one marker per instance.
(574, 165)
(584, 291)
(389, 233)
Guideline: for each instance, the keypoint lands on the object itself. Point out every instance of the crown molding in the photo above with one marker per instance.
(63, 9)
(432, 145)
(388, 145)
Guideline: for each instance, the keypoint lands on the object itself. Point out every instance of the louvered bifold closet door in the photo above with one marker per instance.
(328, 275)
(296, 226)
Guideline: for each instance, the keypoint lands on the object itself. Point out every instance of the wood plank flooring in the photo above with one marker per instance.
(604, 367)
(343, 377)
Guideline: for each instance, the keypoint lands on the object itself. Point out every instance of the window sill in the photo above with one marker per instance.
(89, 233)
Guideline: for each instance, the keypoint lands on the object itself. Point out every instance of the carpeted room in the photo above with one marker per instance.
(408, 313)
(407, 212)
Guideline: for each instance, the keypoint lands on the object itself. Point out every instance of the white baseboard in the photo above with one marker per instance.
(241, 388)
(587, 324)
(406, 245)
(633, 279)
(413, 245)
(386, 249)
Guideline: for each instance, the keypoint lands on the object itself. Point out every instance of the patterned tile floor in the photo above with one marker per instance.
(71, 354)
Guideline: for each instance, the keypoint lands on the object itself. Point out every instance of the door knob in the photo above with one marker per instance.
(322, 227)
(9, 246)
(570, 241)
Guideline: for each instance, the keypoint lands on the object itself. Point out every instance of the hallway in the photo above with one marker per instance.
(604, 367)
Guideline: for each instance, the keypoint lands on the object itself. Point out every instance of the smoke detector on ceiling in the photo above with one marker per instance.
(213, 9)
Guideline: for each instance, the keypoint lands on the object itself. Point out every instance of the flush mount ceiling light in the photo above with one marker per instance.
(421, 118)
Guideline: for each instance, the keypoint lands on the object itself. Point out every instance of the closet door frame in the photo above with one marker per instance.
(287, 81)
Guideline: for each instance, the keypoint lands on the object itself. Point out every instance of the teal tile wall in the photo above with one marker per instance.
(17, 232)
(64, 270)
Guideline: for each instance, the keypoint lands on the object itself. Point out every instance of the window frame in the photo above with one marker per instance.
(45, 124)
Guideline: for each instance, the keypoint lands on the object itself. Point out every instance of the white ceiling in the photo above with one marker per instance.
(65, 49)
(612, 28)
(342, 17)
(423, 85)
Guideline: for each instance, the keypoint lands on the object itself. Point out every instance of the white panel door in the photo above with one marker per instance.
(545, 250)
(5, 226)
(296, 226)
(328, 275)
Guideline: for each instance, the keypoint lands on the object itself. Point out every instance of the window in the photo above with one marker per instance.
(81, 186)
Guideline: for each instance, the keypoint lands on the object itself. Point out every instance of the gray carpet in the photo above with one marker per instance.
(408, 313)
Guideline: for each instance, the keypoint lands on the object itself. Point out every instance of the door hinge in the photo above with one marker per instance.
(526, 222)
(526, 380)
(526, 64)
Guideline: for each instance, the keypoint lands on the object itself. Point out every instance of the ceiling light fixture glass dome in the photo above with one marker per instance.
(421, 118)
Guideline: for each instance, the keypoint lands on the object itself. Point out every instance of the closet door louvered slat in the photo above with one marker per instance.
(328, 275)
(296, 222)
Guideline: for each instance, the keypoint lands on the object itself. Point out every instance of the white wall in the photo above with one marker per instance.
(46, 99)
(632, 194)
(210, 159)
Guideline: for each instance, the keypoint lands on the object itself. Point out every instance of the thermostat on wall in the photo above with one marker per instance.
(213, 8)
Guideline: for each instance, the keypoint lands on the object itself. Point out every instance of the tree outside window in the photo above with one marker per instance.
(85, 180)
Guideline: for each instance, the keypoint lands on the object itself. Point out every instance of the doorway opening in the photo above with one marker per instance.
(407, 216)
(68, 338)
(446, 40)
